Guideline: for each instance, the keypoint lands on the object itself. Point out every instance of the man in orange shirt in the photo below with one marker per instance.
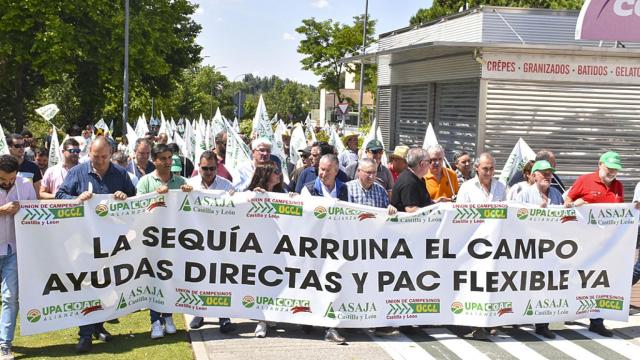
(442, 183)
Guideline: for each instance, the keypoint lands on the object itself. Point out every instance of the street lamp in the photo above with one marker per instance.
(364, 47)
(125, 100)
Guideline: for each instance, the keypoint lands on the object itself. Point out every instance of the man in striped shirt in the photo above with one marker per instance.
(364, 190)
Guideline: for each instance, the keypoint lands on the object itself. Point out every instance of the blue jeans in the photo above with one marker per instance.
(9, 289)
(86, 331)
(155, 316)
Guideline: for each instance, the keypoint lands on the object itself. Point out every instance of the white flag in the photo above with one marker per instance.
(48, 111)
(177, 139)
(199, 147)
(335, 141)
(238, 153)
(519, 156)
(429, 137)
(55, 153)
(371, 135)
(236, 126)
(383, 160)
(132, 137)
(141, 126)
(4, 148)
(298, 142)
(102, 125)
(260, 117)
(278, 150)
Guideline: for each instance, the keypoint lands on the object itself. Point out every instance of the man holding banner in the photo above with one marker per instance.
(13, 188)
(442, 183)
(410, 192)
(483, 188)
(96, 176)
(600, 186)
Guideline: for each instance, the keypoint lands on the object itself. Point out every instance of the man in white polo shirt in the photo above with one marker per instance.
(483, 188)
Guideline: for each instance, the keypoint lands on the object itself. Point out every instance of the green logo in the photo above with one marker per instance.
(592, 219)
(330, 313)
(274, 208)
(34, 315)
(122, 303)
(203, 300)
(529, 309)
(481, 213)
(320, 212)
(53, 213)
(457, 307)
(609, 304)
(186, 205)
(248, 301)
(414, 308)
(102, 210)
(522, 213)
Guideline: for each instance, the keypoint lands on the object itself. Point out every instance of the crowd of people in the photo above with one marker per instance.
(413, 179)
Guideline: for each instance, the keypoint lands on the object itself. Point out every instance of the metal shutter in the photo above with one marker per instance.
(383, 113)
(412, 114)
(456, 115)
(578, 122)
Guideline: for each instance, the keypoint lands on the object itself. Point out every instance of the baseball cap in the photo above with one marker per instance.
(611, 159)
(374, 145)
(306, 152)
(542, 165)
(176, 164)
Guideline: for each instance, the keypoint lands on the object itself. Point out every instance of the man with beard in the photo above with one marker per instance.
(13, 188)
(96, 176)
(600, 186)
(54, 176)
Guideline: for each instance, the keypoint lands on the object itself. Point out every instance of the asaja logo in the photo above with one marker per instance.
(522, 213)
(351, 311)
(320, 212)
(102, 210)
(549, 306)
(120, 208)
(208, 204)
(248, 301)
(146, 294)
(611, 216)
(34, 315)
(457, 307)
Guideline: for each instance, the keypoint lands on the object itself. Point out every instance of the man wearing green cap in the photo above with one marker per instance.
(374, 151)
(600, 186)
(542, 194)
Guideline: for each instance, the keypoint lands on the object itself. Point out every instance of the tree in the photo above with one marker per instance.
(441, 8)
(326, 43)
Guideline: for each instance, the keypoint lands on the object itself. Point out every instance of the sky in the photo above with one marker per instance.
(259, 37)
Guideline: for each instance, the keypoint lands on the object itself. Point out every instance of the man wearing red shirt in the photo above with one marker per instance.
(598, 187)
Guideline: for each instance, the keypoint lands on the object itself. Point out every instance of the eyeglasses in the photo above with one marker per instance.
(435, 160)
(18, 146)
(208, 168)
(379, 151)
(73, 150)
(369, 173)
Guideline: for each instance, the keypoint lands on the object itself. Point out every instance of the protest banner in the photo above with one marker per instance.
(321, 262)
(55, 152)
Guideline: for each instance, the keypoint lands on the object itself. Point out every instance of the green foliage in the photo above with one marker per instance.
(326, 43)
(322, 136)
(441, 8)
(246, 126)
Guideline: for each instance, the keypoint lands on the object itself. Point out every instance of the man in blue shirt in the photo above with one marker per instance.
(96, 176)
(318, 150)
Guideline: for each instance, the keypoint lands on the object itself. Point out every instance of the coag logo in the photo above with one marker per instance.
(248, 301)
(34, 315)
(320, 212)
(102, 210)
(522, 213)
(457, 307)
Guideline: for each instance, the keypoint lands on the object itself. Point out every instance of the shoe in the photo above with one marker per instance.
(545, 332)
(225, 325)
(156, 330)
(332, 335)
(196, 322)
(601, 330)
(261, 329)
(100, 333)
(84, 345)
(114, 321)
(384, 331)
(5, 353)
(169, 326)
(480, 334)
(307, 329)
(494, 331)
(408, 329)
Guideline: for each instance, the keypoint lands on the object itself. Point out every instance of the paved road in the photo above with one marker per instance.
(286, 341)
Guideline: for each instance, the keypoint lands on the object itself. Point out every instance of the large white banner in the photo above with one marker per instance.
(321, 262)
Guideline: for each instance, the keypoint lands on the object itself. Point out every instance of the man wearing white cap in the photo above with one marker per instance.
(350, 154)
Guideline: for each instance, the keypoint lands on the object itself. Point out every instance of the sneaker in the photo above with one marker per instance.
(601, 330)
(196, 322)
(84, 345)
(169, 326)
(225, 325)
(156, 330)
(332, 335)
(261, 329)
(5, 353)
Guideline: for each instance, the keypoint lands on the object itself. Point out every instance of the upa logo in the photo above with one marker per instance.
(547, 215)
(131, 207)
(34, 315)
(457, 307)
(102, 210)
(248, 301)
(522, 213)
(320, 212)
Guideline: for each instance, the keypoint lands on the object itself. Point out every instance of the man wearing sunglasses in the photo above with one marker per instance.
(54, 176)
(27, 169)
(207, 178)
(374, 151)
